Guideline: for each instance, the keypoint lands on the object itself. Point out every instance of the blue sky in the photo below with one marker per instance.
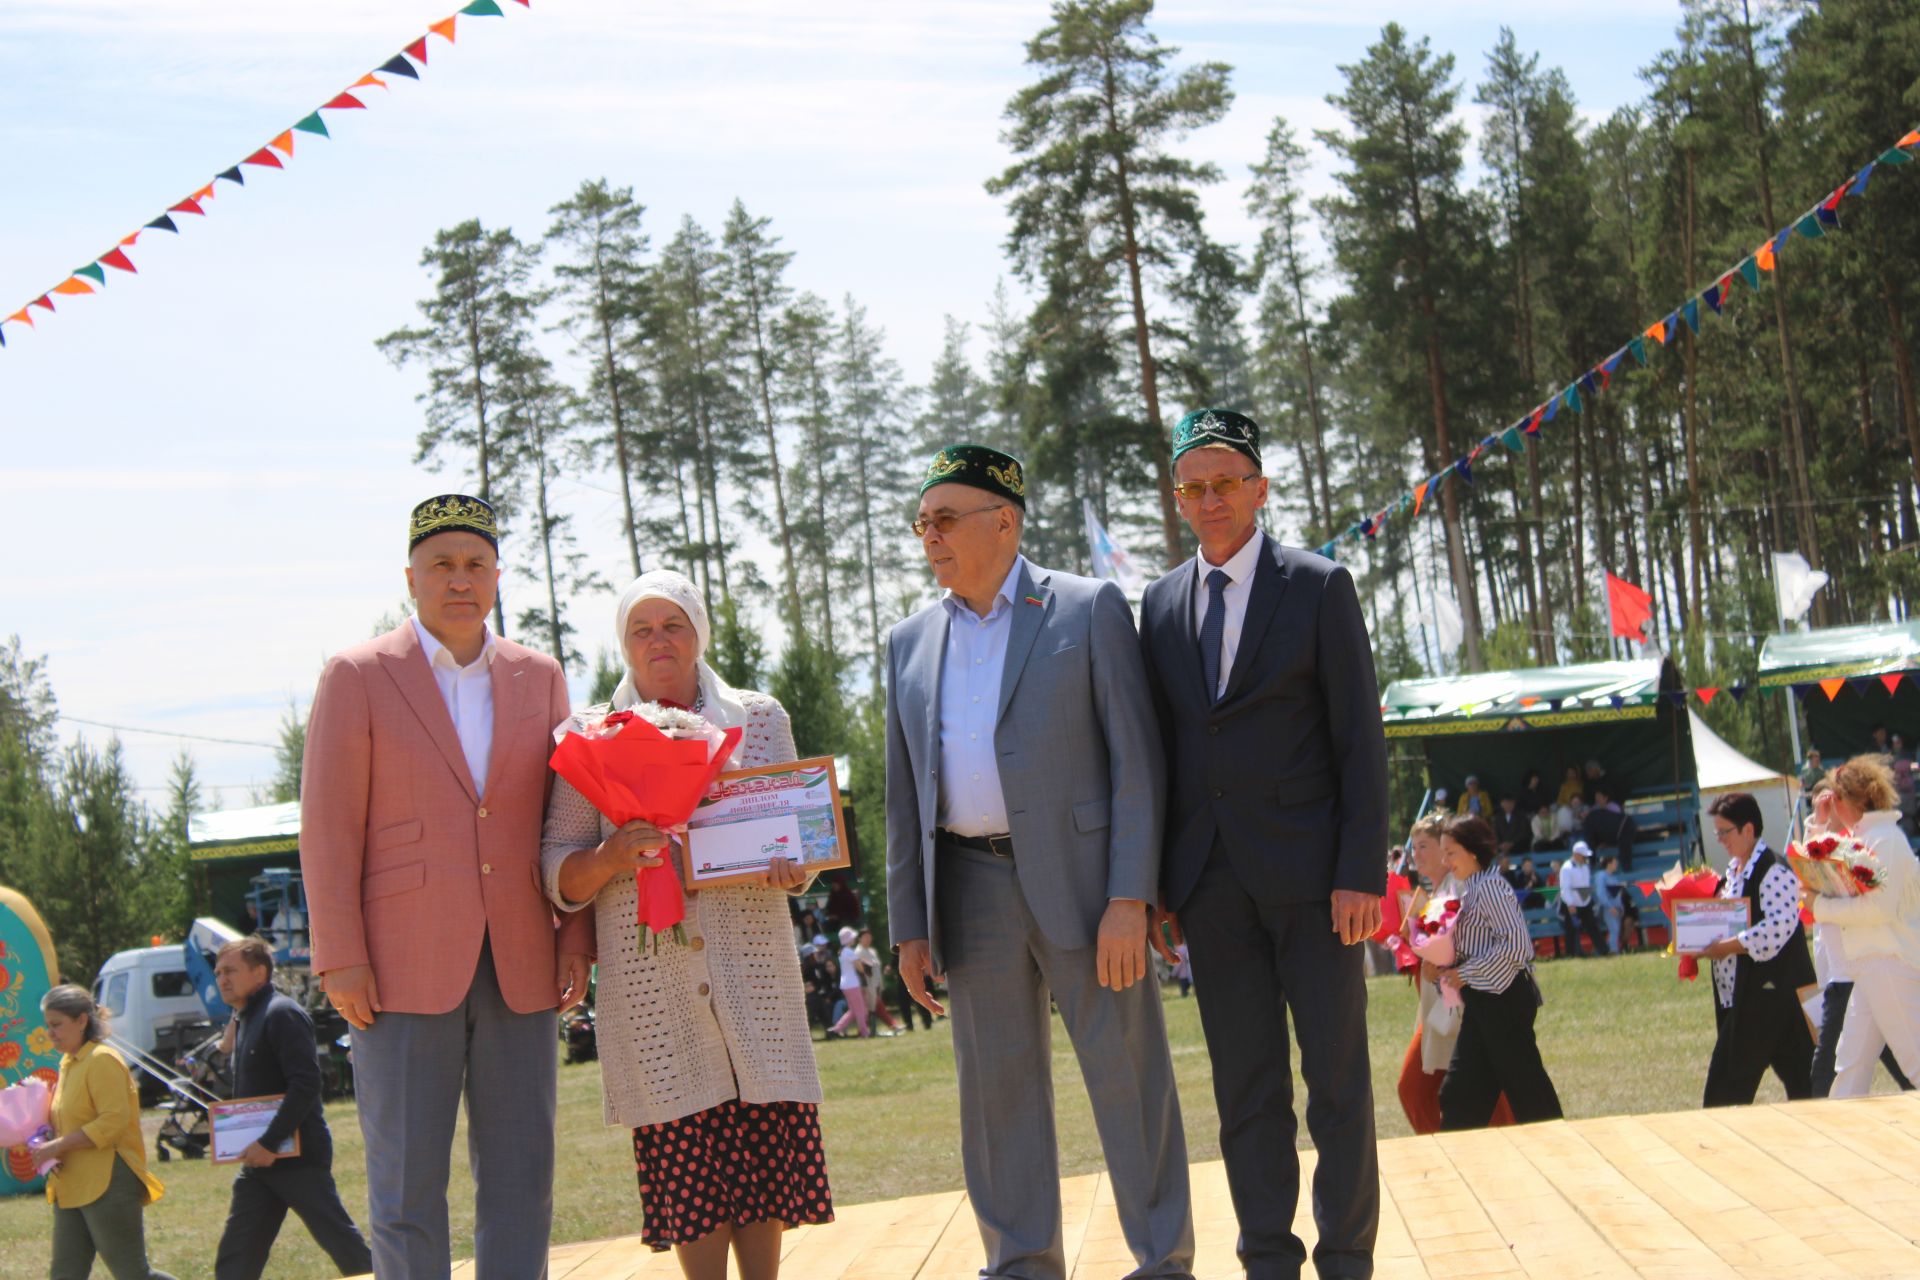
(206, 470)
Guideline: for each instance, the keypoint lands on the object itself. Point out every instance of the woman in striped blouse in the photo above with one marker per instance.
(1493, 971)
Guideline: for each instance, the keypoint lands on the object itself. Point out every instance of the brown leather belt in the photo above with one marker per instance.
(999, 846)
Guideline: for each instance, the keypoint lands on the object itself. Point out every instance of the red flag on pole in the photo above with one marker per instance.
(1629, 609)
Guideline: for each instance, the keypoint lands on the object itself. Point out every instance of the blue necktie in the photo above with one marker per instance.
(1213, 631)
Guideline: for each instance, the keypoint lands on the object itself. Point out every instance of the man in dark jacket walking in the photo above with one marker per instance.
(272, 1043)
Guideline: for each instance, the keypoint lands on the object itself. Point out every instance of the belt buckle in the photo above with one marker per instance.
(993, 845)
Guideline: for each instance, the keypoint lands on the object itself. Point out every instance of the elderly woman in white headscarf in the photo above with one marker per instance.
(704, 1047)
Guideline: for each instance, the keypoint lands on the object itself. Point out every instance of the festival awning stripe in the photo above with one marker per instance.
(271, 155)
(1823, 217)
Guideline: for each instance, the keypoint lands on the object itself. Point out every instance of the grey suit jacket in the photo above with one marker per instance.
(1080, 759)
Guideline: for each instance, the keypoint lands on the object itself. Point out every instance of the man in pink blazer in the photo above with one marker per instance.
(421, 802)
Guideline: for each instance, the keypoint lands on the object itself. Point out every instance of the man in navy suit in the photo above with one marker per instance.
(1275, 861)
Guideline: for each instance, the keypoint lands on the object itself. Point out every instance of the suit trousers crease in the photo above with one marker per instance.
(410, 1073)
(258, 1209)
(1765, 1030)
(1253, 963)
(1498, 1052)
(1001, 971)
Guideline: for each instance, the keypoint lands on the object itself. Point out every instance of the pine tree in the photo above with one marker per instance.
(603, 282)
(1094, 179)
(475, 316)
(868, 395)
(289, 754)
(807, 335)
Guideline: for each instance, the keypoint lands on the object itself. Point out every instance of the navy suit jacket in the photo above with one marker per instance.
(1288, 770)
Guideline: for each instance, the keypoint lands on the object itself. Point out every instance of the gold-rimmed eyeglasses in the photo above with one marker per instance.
(1225, 486)
(945, 521)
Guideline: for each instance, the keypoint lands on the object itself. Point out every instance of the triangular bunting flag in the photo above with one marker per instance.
(3, 335)
(1827, 217)
(1706, 693)
(1712, 296)
(94, 272)
(1419, 496)
(1832, 688)
(1511, 438)
(1895, 156)
(1657, 331)
(1738, 691)
(399, 66)
(42, 301)
(232, 175)
(345, 101)
(24, 316)
(164, 223)
(1780, 240)
(72, 285)
(1691, 310)
(1587, 383)
(1573, 398)
(1464, 469)
(417, 51)
(128, 240)
(284, 144)
(1678, 697)
(1616, 701)
(1639, 348)
(204, 193)
(1763, 256)
(189, 205)
(1833, 201)
(312, 123)
(483, 9)
(1750, 272)
(264, 158)
(1911, 140)
(119, 261)
(1555, 704)
(1892, 682)
(1533, 422)
(368, 81)
(1553, 407)
(1858, 187)
(1809, 227)
(444, 28)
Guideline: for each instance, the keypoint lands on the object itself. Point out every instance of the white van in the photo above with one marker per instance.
(145, 992)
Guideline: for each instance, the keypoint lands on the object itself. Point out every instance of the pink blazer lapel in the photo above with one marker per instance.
(508, 676)
(406, 664)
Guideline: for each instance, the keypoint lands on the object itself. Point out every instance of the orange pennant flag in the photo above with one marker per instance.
(130, 240)
(284, 144)
(204, 193)
(1706, 693)
(1833, 687)
(1912, 139)
(1763, 256)
(73, 284)
(1420, 495)
(368, 79)
(22, 315)
(1529, 700)
(1658, 332)
(444, 27)
(1892, 682)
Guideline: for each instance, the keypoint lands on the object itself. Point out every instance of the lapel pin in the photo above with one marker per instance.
(1035, 600)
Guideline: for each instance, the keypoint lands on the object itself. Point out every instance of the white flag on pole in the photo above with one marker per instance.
(1794, 584)
(1110, 559)
(1448, 627)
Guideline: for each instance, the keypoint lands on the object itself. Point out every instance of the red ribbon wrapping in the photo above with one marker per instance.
(1675, 885)
(641, 773)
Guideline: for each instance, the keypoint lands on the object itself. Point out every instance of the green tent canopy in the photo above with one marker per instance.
(1842, 724)
(1501, 724)
(229, 848)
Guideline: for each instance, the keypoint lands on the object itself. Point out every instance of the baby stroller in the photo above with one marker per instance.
(195, 1082)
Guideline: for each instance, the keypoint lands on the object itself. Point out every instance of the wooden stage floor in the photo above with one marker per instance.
(1791, 1192)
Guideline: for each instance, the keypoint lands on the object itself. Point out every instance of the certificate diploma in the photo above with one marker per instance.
(753, 816)
(239, 1122)
(1698, 923)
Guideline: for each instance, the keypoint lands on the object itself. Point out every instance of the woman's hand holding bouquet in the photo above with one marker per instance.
(1431, 934)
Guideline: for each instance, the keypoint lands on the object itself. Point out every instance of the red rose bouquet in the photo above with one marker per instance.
(1697, 881)
(1835, 866)
(652, 763)
(1431, 935)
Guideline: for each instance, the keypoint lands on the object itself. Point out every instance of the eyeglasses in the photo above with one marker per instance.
(945, 521)
(1225, 486)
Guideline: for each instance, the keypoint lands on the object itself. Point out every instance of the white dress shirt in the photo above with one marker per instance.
(971, 803)
(1576, 884)
(1779, 917)
(1239, 569)
(468, 693)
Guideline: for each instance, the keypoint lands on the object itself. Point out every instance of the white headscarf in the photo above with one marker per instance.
(722, 704)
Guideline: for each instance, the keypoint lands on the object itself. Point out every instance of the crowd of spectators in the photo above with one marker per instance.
(852, 992)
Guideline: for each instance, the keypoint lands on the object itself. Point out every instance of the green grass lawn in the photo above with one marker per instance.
(1620, 1036)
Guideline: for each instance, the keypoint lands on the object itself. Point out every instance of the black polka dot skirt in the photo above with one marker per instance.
(735, 1164)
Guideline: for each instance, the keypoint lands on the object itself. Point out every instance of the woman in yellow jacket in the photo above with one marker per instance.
(101, 1188)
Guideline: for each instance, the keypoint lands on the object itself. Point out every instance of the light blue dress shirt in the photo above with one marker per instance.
(971, 803)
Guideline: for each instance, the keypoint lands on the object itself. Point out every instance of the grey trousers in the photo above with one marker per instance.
(1001, 970)
(114, 1227)
(409, 1072)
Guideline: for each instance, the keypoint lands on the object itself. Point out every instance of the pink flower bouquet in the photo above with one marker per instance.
(1431, 934)
(26, 1114)
(1835, 866)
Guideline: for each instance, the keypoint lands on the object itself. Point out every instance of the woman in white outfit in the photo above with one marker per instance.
(1879, 932)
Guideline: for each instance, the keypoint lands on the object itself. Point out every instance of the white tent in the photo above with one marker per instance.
(1721, 768)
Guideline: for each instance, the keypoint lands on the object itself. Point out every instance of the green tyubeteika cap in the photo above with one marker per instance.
(983, 468)
(1217, 426)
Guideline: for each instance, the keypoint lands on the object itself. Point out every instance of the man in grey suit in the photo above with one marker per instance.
(1024, 802)
(1262, 675)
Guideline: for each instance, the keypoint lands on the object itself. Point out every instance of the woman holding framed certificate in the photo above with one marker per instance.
(704, 1047)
